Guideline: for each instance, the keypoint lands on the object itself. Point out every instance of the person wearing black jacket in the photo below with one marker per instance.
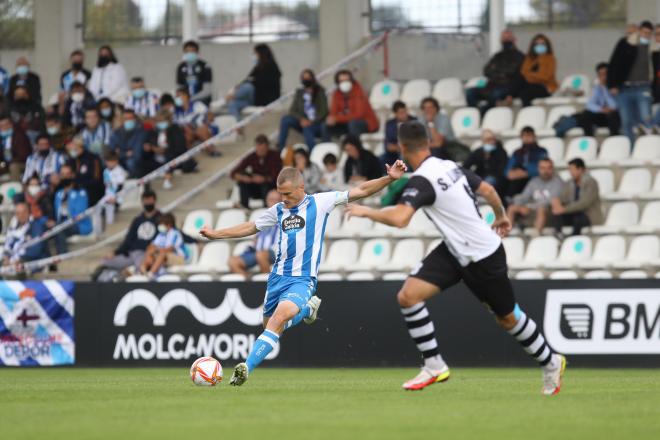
(262, 85)
(656, 78)
(27, 114)
(629, 79)
(195, 74)
(361, 164)
(502, 71)
(88, 170)
(25, 78)
(489, 162)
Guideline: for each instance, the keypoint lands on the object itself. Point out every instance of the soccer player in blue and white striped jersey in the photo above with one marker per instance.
(300, 220)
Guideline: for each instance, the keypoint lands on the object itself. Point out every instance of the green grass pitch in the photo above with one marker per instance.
(327, 404)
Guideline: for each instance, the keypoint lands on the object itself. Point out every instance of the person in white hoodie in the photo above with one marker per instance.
(109, 78)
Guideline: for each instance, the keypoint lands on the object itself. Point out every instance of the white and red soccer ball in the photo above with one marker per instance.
(206, 372)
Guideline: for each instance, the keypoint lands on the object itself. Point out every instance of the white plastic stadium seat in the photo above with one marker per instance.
(414, 91)
(530, 274)
(225, 122)
(465, 120)
(333, 225)
(644, 250)
(496, 119)
(539, 251)
(213, 258)
(406, 254)
(383, 94)
(137, 278)
(563, 275)
(633, 275)
(360, 276)
(573, 249)
(646, 151)
(572, 83)
(260, 277)
(241, 247)
(608, 250)
(553, 116)
(232, 278)
(200, 278)
(195, 220)
(230, 217)
(633, 182)
(353, 227)
(605, 179)
(420, 225)
(655, 191)
(477, 81)
(342, 254)
(598, 275)
(532, 116)
(395, 276)
(514, 248)
(320, 150)
(374, 253)
(8, 191)
(620, 216)
(555, 147)
(432, 245)
(449, 92)
(330, 276)
(584, 147)
(169, 278)
(511, 145)
(649, 222)
(613, 150)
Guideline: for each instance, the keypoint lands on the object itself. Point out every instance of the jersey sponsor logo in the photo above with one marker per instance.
(293, 224)
(603, 321)
(410, 192)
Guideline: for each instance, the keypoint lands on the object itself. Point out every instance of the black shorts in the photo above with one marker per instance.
(487, 279)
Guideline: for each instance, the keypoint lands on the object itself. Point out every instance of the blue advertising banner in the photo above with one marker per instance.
(36, 323)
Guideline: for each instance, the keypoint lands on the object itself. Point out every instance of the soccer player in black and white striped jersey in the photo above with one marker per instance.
(471, 251)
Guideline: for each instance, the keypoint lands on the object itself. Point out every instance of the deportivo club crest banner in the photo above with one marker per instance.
(36, 323)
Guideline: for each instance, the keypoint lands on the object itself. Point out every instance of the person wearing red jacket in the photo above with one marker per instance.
(350, 111)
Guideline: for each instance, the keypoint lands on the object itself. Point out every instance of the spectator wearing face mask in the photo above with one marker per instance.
(166, 250)
(59, 135)
(350, 110)
(38, 199)
(195, 74)
(109, 78)
(27, 113)
(70, 201)
(15, 149)
(262, 85)
(43, 162)
(87, 170)
(630, 76)
(537, 71)
(108, 114)
(128, 143)
(79, 100)
(524, 162)
(22, 228)
(142, 101)
(489, 161)
(192, 116)
(96, 133)
(308, 110)
(502, 72)
(25, 78)
(76, 73)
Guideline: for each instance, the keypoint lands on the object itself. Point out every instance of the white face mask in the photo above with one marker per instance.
(77, 97)
(162, 228)
(345, 86)
(33, 190)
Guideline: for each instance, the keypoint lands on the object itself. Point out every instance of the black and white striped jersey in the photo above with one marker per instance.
(446, 193)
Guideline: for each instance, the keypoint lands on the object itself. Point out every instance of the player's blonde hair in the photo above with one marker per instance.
(289, 174)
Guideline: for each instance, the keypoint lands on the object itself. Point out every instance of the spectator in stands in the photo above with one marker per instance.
(523, 163)
(193, 116)
(656, 79)
(502, 72)
(109, 78)
(142, 101)
(361, 164)
(166, 250)
(261, 253)
(27, 113)
(332, 178)
(70, 201)
(392, 152)
(629, 79)
(578, 205)
(164, 144)
(262, 85)
(59, 135)
(350, 110)
(531, 206)
(538, 69)
(38, 199)
(600, 110)
(308, 110)
(114, 177)
(76, 73)
(141, 233)
(22, 227)
(15, 149)
(489, 161)
(631, 28)
(195, 74)
(441, 135)
(128, 143)
(43, 162)
(25, 78)
(4, 81)
(310, 171)
(108, 114)
(257, 173)
(79, 100)
(96, 134)
(87, 168)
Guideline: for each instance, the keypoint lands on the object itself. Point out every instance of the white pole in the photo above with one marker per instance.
(497, 24)
(190, 20)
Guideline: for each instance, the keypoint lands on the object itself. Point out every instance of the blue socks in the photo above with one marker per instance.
(264, 344)
(304, 312)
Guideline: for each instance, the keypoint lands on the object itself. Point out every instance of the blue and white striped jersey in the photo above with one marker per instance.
(300, 232)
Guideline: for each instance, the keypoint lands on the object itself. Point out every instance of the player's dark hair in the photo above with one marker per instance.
(329, 159)
(397, 106)
(412, 135)
(577, 163)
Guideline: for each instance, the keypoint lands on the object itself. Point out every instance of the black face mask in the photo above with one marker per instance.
(44, 153)
(149, 207)
(66, 182)
(76, 66)
(507, 45)
(307, 83)
(103, 61)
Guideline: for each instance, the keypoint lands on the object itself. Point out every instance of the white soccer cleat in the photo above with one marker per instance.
(314, 303)
(427, 377)
(240, 375)
(552, 377)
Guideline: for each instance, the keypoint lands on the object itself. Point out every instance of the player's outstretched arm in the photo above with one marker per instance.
(371, 187)
(242, 230)
(502, 224)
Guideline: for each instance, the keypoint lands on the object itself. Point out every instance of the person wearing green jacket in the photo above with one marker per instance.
(308, 110)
